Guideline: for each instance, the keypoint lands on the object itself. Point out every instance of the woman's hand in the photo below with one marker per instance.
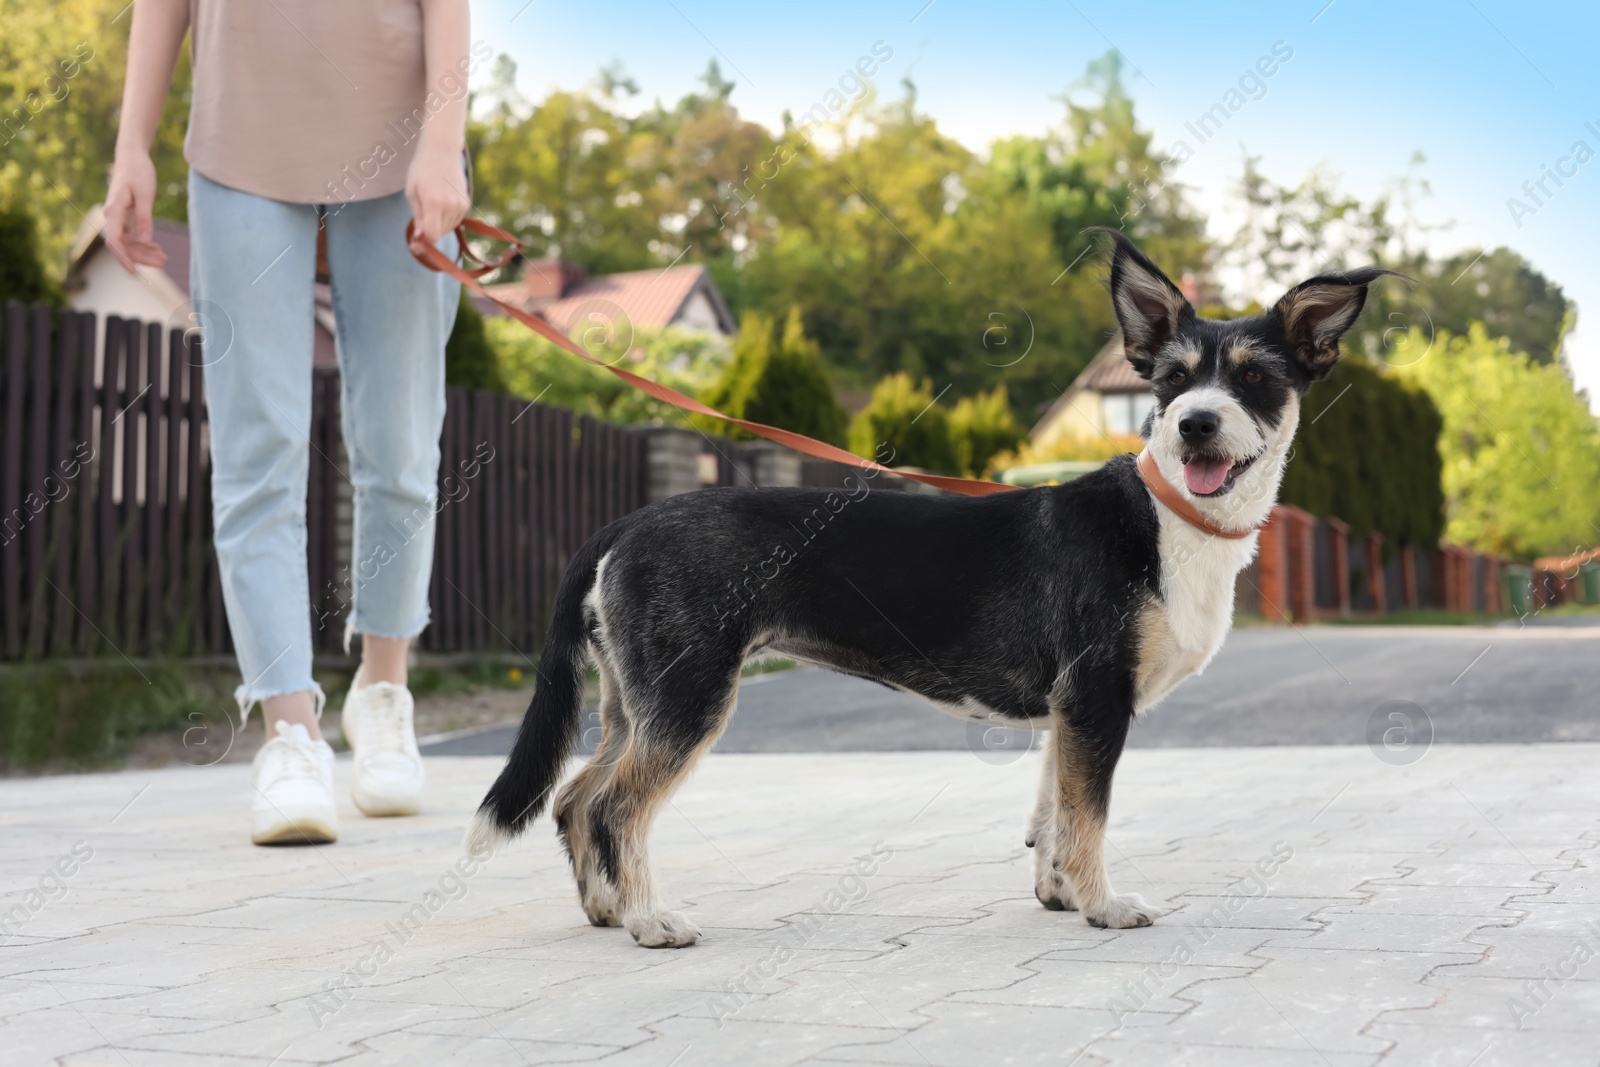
(153, 44)
(436, 188)
(129, 231)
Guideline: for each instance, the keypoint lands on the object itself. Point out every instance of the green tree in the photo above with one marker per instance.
(907, 251)
(1500, 289)
(981, 427)
(1521, 449)
(61, 70)
(902, 426)
(778, 380)
(854, 244)
(469, 358)
(708, 161)
(1293, 232)
(912, 254)
(1117, 164)
(22, 275)
(562, 177)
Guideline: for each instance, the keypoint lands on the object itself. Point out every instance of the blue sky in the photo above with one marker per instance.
(1488, 90)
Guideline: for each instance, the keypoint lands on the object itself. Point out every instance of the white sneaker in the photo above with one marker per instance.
(388, 775)
(293, 776)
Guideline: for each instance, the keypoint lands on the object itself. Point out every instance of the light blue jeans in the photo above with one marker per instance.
(251, 270)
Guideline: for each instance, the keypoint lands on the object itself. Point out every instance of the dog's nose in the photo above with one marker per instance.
(1198, 427)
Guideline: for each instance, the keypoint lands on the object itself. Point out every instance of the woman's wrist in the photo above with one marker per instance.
(440, 144)
(130, 146)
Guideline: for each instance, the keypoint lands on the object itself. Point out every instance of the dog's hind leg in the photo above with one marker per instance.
(1088, 745)
(1049, 883)
(670, 731)
(595, 891)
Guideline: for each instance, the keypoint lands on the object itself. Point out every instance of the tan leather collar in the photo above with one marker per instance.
(1178, 504)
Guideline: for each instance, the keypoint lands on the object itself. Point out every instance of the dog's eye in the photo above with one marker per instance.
(1251, 377)
(1178, 377)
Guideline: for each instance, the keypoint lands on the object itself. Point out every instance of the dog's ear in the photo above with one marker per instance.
(1318, 311)
(1149, 307)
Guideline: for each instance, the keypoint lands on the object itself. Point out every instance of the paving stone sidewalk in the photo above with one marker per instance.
(857, 908)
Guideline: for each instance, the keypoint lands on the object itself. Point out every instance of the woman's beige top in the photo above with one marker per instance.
(309, 101)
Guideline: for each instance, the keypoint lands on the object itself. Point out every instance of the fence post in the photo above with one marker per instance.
(1408, 578)
(13, 516)
(772, 464)
(1302, 586)
(673, 461)
(1339, 556)
(1272, 566)
(1376, 588)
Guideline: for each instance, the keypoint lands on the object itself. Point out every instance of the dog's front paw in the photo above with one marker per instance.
(1121, 913)
(1051, 888)
(599, 902)
(664, 929)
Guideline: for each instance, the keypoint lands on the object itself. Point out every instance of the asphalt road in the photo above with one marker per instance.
(1330, 685)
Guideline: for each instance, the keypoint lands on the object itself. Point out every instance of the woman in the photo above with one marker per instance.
(345, 118)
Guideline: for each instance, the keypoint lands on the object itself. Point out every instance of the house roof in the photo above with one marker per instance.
(650, 298)
(1108, 372)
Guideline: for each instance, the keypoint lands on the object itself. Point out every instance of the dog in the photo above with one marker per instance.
(1071, 608)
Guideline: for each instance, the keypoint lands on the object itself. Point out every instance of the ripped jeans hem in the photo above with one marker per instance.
(247, 698)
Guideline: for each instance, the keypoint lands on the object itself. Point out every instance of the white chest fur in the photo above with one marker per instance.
(1179, 636)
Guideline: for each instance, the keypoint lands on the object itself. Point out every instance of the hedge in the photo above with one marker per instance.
(1367, 452)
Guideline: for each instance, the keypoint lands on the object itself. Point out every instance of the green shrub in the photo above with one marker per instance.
(902, 426)
(981, 427)
(469, 359)
(1521, 448)
(780, 381)
(1367, 452)
(59, 715)
(22, 274)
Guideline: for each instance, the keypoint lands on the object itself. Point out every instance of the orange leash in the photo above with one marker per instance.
(436, 260)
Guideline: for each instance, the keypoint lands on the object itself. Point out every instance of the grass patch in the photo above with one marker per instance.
(62, 717)
(1562, 610)
(427, 681)
(78, 717)
(1429, 617)
(1440, 617)
(1421, 617)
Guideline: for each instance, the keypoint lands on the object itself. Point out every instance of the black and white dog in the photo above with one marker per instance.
(1072, 607)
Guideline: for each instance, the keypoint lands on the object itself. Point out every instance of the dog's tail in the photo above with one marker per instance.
(549, 730)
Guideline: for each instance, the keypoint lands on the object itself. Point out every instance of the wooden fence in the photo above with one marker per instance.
(105, 504)
(547, 479)
(1310, 568)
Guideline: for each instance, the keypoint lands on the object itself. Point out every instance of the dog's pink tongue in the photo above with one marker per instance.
(1205, 475)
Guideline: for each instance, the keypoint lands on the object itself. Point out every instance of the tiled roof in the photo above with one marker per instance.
(649, 298)
(1107, 372)
(1110, 372)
